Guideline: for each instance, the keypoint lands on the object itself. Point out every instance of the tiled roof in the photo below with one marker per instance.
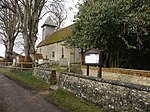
(57, 36)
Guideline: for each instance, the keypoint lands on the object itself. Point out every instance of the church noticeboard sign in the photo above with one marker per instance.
(93, 57)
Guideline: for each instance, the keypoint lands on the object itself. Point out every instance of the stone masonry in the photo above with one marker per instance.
(113, 74)
(110, 95)
(47, 75)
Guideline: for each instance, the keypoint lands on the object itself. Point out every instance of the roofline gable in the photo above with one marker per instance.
(57, 36)
(48, 25)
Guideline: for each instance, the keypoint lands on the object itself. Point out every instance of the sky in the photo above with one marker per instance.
(2, 50)
(70, 18)
(68, 21)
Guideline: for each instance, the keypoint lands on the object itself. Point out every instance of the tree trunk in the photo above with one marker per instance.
(106, 61)
(82, 56)
(26, 48)
(9, 50)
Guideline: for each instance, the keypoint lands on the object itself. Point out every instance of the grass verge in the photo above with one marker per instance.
(70, 103)
(26, 79)
(60, 97)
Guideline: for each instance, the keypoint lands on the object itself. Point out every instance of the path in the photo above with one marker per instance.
(14, 98)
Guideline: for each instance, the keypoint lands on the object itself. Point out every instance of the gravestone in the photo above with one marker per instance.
(63, 62)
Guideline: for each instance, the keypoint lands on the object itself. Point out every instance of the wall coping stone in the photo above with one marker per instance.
(114, 82)
(136, 72)
(46, 69)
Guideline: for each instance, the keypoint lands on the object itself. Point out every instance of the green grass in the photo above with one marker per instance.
(26, 79)
(70, 103)
(61, 98)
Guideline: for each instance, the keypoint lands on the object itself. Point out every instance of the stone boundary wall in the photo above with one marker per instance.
(45, 74)
(126, 75)
(134, 72)
(145, 73)
(110, 95)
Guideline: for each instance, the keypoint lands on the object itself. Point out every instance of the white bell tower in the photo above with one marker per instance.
(48, 27)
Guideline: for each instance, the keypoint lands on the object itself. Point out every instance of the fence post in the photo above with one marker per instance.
(33, 67)
(21, 66)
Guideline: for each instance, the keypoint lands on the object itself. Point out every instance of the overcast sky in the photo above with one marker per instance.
(70, 3)
(70, 16)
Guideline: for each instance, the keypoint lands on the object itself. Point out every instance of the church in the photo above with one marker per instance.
(52, 45)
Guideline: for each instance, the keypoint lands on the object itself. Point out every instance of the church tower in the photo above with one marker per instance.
(48, 27)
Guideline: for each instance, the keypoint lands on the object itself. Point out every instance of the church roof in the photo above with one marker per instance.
(57, 36)
(49, 22)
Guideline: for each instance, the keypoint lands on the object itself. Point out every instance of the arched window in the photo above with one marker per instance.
(53, 54)
(62, 56)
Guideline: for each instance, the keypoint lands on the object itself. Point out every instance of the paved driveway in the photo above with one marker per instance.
(14, 98)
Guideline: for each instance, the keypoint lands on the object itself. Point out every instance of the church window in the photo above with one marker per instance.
(62, 56)
(53, 54)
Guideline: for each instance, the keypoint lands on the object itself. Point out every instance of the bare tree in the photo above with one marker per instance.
(29, 14)
(9, 30)
(19, 44)
(57, 11)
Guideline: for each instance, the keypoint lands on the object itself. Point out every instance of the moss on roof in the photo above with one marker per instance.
(57, 36)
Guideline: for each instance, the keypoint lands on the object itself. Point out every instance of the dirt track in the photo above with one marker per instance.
(14, 98)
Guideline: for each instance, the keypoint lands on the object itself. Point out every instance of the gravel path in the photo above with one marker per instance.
(14, 98)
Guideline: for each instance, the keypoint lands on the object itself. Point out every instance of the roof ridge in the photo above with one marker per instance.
(57, 36)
